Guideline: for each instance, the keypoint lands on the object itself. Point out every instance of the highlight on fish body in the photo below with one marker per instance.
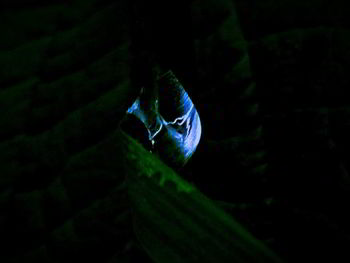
(171, 120)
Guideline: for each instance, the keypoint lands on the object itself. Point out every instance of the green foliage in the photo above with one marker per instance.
(177, 223)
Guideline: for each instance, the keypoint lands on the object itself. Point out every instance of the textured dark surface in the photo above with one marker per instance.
(268, 78)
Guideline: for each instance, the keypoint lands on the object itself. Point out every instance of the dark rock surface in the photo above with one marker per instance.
(268, 78)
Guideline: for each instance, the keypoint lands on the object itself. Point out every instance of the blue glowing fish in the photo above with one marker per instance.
(172, 121)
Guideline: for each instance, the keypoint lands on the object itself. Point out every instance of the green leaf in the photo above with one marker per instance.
(176, 223)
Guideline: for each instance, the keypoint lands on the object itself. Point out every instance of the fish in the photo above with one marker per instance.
(172, 121)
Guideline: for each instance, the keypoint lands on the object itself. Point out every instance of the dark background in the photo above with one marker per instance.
(270, 81)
